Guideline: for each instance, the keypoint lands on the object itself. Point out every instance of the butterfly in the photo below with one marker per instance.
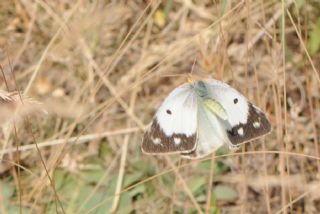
(200, 116)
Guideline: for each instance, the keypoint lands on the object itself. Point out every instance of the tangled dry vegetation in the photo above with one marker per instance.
(101, 68)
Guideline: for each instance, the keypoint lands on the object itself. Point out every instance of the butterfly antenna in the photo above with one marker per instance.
(194, 62)
(4, 77)
(190, 79)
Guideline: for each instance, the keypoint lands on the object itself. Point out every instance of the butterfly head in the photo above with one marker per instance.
(201, 88)
(190, 80)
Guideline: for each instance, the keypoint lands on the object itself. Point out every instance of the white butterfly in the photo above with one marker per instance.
(199, 117)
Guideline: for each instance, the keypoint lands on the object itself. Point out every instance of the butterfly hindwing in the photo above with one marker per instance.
(257, 125)
(174, 127)
(211, 135)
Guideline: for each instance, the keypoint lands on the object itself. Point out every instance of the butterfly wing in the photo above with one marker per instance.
(174, 127)
(244, 121)
(211, 134)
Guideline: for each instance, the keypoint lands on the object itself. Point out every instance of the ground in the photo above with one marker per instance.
(93, 74)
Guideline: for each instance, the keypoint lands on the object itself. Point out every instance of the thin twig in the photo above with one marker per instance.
(210, 184)
(75, 140)
(304, 46)
(185, 186)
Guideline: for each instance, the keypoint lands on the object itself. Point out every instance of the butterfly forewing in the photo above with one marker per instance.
(174, 127)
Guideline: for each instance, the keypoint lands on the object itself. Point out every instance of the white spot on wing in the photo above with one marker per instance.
(256, 125)
(156, 140)
(240, 131)
(177, 140)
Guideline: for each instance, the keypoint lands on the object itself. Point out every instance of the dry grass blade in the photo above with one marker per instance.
(14, 107)
(121, 174)
(316, 71)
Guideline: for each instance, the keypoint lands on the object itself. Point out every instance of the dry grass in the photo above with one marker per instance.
(101, 68)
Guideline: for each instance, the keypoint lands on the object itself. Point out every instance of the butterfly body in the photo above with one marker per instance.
(199, 117)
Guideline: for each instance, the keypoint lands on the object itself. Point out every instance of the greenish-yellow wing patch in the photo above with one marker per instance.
(216, 108)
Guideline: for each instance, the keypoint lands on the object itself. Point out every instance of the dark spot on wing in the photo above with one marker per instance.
(168, 111)
(256, 126)
(235, 101)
